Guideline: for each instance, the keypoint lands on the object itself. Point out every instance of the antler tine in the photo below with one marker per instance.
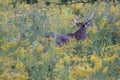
(76, 20)
(89, 18)
(79, 17)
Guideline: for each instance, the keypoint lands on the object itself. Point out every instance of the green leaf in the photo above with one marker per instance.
(93, 1)
(47, 3)
(68, 11)
(64, 1)
(70, 0)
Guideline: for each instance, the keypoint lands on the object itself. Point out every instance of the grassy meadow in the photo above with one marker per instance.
(25, 53)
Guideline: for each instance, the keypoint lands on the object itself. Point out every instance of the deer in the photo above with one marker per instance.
(79, 34)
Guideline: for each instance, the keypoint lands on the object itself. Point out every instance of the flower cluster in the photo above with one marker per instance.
(25, 53)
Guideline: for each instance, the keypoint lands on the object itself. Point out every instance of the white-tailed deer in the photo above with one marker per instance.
(79, 34)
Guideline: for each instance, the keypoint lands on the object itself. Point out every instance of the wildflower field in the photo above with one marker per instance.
(26, 54)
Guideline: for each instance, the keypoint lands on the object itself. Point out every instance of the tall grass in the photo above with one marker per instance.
(25, 53)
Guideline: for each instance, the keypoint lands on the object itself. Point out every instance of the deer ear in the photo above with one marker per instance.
(89, 24)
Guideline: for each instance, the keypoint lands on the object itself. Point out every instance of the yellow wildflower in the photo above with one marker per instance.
(20, 66)
(22, 51)
(97, 61)
(71, 77)
(105, 70)
(19, 76)
(4, 48)
(84, 58)
(76, 58)
(98, 66)
(39, 48)
(40, 62)
(111, 78)
(94, 29)
(88, 69)
(117, 10)
(67, 58)
(112, 8)
(81, 71)
(12, 44)
(5, 76)
(59, 66)
(0, 40)
(8, 1)
(61, 61)
(79, 6)
(94, 58)
(111, 58)
(29, 49)
(117, 24)
(103, 23)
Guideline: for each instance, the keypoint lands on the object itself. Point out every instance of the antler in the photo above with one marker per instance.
(86, 20)
(89, 18)
(76, 20)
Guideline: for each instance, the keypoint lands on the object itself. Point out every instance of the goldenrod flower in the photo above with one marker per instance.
(103, 23)
(22, 51)
(12, 44)
(111, 58)
(66, 58)
(97, 62)
(4, 48)
(112, 8)
(40, 62)
(94, 29)
(76, 58)
(117, 24)
(20, 66)
(105, 70)
(39, 48)
(97, 66)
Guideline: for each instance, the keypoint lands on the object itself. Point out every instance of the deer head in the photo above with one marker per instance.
(79, 34)
(85, 22)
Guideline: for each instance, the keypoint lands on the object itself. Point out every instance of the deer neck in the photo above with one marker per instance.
(80, 34)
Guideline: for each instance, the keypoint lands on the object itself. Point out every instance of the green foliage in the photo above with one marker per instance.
(25, 53)
(31, 1)
(64, 1)
(2, 33)
(47, 3)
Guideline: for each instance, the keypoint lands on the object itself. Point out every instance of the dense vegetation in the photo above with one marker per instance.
(25, 53)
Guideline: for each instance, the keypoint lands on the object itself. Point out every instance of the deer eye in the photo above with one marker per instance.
(83, 25)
